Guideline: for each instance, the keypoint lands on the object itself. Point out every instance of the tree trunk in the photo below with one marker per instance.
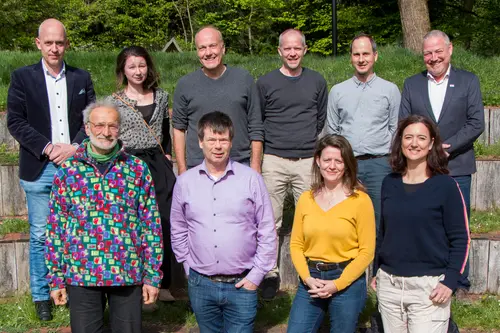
(467, 18)
(415, 22)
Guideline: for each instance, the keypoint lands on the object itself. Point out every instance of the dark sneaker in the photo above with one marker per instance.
(44, 310)
(270, 287)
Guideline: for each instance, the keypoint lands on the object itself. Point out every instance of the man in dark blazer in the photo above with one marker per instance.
(44, 114)
(452, 99)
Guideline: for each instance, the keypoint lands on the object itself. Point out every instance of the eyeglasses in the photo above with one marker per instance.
(113, 128)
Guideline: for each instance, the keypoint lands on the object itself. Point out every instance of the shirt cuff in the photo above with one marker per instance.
(255, 276)
(186, 268)
(43, 150)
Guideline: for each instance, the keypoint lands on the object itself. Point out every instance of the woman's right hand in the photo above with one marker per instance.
(373, 283)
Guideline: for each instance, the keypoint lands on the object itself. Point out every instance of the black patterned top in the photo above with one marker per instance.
(133, 132)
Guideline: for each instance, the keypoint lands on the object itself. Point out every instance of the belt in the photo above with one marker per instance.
(327, 266)
(226, 278)
(369, 156)
(294, 159)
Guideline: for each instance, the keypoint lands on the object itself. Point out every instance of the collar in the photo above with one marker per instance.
(59, 76)
(360, 83)
(447, 75)
(81, 153)
(229, 167)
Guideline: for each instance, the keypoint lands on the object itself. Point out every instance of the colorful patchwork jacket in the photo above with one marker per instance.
(103, 229)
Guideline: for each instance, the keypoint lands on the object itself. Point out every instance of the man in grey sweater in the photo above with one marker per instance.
(364, 109)
(293, 102)
(216, 87)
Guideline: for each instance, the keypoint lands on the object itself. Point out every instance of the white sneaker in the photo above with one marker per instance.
(165, 296)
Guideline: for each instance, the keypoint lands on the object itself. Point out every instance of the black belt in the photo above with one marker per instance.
(226, 278)
(327, 266)
(369, 156)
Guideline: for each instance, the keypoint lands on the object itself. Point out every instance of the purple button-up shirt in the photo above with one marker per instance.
(223, 226)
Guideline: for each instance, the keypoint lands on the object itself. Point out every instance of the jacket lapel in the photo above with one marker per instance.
(424, 87)
(41, 89)
(449, 92)
(70, 83)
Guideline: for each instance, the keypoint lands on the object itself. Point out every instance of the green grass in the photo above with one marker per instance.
(8, 157)
(484, 222)
(394, 64)
(13, 225)
(18, 315)
(484, 151)
(483, 315)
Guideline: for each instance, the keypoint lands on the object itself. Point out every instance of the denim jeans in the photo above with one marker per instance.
(371, 173)
(464, 183)
(221, 307)
(37, 197)
(88, 304)
(344, 307)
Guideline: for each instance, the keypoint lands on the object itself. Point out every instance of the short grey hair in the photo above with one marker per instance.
(103, 103)
(437, 33)
(291, 30)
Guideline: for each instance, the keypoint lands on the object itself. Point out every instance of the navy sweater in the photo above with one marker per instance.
(424, 232)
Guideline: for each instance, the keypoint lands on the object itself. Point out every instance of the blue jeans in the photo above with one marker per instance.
(37, 196)
(371, 173)
(344, 307)
(221, 307)
(464, 183)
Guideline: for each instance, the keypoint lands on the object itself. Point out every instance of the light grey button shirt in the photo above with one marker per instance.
(366, 114)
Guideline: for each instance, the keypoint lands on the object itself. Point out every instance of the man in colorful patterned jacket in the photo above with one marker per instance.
(103, 233)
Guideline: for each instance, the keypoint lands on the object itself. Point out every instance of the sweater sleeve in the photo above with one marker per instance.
(456, 226)
(381, 229)
(297, 238)
(365, 229)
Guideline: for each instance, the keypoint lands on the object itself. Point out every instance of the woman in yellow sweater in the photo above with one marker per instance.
(332, 242)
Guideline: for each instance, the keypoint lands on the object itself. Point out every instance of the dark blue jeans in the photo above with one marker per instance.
(344, 307)
(371, 173)
(221, 307)
(464, 182)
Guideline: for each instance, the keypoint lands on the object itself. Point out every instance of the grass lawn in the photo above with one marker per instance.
(394, 64)
(18, 315)
(12, 225)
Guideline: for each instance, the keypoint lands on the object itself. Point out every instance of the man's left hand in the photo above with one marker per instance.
(65, 151)
(441, 294)
(446, 146)
(149, 294)
(246, 284)
(327, 291)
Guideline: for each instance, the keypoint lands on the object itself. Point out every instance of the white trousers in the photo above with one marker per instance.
(405, 305)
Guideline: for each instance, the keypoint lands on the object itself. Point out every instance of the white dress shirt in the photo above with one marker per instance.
(437, 92)
(58, 105)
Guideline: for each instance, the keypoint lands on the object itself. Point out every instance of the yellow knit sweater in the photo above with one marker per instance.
(344, 232)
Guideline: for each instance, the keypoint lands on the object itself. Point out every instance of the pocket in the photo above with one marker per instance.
(441, 312)
(193, 279)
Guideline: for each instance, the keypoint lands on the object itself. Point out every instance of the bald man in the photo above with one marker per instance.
(216, 87)
(44, 114)
(293, 101)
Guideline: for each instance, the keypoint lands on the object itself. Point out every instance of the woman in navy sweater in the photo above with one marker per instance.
(423, 240)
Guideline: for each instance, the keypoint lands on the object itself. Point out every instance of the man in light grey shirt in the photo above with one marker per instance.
(364, 109)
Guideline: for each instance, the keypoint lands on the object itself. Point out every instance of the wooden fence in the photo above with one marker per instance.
(14, 268)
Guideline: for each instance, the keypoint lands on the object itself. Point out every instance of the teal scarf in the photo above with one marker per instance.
(102, 158)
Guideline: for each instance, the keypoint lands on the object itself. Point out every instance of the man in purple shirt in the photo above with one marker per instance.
(223, 232)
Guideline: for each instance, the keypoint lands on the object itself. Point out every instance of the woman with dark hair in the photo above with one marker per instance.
(332, 242)
(423, 239)
(145, 132)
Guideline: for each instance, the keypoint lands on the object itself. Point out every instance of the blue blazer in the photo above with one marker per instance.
(28, 113)
(461, 120)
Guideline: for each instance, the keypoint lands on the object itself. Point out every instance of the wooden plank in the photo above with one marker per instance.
(494, 268)
(473, 190)
(12, 197)
(5, 137)
(494, 121)
(288, 274)
(22, 263)
(487, 195)
(8, 278)
(484, 138)
(478, 260)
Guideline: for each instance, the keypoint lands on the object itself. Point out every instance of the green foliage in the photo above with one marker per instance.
(483, 151)
(14, 225)
(8, 157)
(482, 222)
(483, 315)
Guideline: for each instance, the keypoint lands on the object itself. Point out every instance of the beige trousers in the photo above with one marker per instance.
(405, 305)
(280, 174)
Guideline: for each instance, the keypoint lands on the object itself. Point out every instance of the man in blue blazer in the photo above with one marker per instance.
(44, 114)
(452, 99)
